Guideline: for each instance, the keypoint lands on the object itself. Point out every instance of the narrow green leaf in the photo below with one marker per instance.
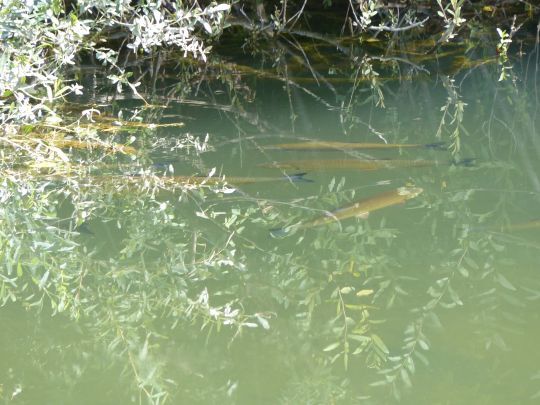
(463, 271)
(423, 344)
(377, 341)
(346, 290)
(359, 338)
(405, 377)
(503, 281)
(43, 280)
(331, 347)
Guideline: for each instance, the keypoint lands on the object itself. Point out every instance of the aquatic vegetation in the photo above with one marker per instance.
(453, 110)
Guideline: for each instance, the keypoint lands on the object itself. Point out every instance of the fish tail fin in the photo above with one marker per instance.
(467, 162)
(437, 145)
(298, 177)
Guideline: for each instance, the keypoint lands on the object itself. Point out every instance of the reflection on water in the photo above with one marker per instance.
(181, 293)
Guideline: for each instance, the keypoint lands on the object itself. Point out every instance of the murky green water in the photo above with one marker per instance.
(185, 296)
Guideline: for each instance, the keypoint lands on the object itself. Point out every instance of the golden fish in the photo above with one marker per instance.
(462, 62)
(107, 146)
(360, 209)
(63, 143)
(327, 145)
(521, 226)
(357, 164)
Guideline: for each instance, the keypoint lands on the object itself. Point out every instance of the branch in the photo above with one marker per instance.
(398, 29)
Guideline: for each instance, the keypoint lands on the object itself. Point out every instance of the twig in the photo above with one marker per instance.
(351, 7)
(296, 16)
(398, 29)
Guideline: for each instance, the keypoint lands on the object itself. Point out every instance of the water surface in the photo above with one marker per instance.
(185, 296)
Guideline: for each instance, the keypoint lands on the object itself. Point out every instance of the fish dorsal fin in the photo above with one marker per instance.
(363, 215)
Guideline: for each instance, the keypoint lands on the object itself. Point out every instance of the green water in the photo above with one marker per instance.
(185, 297)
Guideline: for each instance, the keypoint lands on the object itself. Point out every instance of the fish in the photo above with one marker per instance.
(462, 62)
(328, 146)
(359, 164)
(534, 224)
(107, 146)
(520, 226)
(359, 209)
(63, 143)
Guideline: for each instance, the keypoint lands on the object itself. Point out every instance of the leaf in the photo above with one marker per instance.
(331, 185)
(43, 280)
(359, 338)
(409, 363)
(331, 347)
(379, 383)
(463, 271)
(49, 93)
(405, 377)
(358, 350)
(264, 322)
(356, 307)
(333, 359)
(207, 27)
(143, 354)
(364, 293)
(471, 262)
(421, 357)
(220, 7)
(346, 290)
(454, 296)
(503, 281)
(377, 341)
(423, 344)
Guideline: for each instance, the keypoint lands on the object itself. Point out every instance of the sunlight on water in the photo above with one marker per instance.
(431, 299)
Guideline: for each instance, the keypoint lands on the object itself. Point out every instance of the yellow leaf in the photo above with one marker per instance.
(364, 293)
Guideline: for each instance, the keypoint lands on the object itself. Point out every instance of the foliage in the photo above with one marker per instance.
(42, 41)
